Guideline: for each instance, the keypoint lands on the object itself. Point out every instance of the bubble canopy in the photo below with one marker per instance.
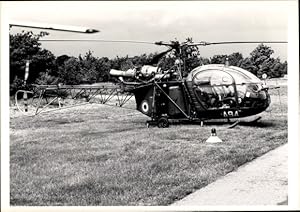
(221, 75)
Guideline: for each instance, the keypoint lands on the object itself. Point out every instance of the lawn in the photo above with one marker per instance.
(103, 155)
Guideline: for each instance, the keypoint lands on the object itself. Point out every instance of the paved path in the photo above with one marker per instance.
(263, 181)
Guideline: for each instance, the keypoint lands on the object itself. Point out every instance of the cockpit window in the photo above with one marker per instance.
(203, 78)
(212, 77)
(224, 76)
(221, 87)
(242, 76)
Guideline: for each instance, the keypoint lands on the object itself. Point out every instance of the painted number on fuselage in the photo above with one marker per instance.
(230, 113)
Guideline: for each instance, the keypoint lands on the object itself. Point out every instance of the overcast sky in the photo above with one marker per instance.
(159, 21)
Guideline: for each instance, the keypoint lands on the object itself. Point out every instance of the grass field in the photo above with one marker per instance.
(102, 155)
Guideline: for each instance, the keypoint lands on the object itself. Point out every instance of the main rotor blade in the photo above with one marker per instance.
(203, 43)
(94, 40)
(66, 28)
(156, 58)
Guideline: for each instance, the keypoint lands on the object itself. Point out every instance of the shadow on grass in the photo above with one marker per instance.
(262, 124)
(259, 124)
(110, 131)
(61, 122)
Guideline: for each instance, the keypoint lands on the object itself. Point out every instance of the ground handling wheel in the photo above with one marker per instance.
(163, 122)
(151, 123)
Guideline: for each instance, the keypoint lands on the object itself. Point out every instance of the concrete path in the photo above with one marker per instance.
(264, 181)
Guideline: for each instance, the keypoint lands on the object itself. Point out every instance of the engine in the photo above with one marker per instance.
(146, 72)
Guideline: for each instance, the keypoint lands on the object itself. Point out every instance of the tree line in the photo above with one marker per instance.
(45, 68)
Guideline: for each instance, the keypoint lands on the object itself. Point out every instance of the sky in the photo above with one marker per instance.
(158, 21)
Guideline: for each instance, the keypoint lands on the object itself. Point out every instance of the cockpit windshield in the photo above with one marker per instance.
(221, 75)
(219, 87)
(242, 76)
(226, 77)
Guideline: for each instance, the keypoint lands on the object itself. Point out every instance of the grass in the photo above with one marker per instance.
(97, 155)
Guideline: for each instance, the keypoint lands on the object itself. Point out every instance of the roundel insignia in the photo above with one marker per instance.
(145, 107)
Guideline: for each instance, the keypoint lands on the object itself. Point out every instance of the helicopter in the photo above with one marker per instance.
(214, 91)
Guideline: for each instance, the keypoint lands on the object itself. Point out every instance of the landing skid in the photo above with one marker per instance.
(234, 124)
(255, 120)
(249, 122)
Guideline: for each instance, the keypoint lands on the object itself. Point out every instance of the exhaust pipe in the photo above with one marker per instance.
(119, 73)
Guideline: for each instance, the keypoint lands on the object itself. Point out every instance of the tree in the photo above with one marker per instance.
(248, 65)
(261, 53)
(263, 62)
(118, 63)
(84, 69)
(103, 67)
(218, 59)
(261, 59)
(60, 60)
(284, 67)
(234, 59)
(143, 59)
(25, 46)
(278, 69)
(47, 79)
(204, 61)
(69, 72)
